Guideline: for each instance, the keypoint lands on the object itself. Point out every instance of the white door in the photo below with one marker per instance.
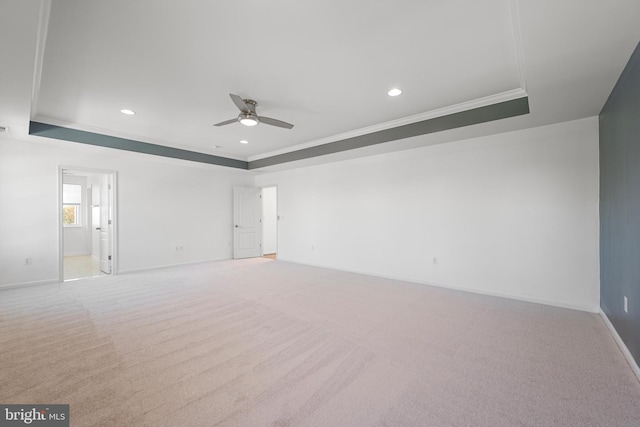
(247, 227)
(105, 224)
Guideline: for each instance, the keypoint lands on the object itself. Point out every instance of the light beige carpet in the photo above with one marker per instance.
(267, 343)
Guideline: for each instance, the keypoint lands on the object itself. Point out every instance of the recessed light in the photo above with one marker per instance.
(128, 112)
(244, 141)
(394, 92)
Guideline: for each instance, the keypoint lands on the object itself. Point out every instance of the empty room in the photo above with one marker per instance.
(361, 213)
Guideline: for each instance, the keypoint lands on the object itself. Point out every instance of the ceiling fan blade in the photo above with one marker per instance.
(274, 122)
(242, 106)
(227, 122)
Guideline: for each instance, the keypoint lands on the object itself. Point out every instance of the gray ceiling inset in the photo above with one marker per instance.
(484, 114)
(74, 135)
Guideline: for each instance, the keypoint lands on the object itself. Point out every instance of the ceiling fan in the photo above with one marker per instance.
(248, 116)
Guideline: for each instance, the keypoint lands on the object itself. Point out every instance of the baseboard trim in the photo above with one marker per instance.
(27, 284)
(161, 267)
(623, 347)
(131, 270)
(578, 307)
(587, 308)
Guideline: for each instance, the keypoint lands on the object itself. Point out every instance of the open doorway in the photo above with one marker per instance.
(270, 222)
(87, 223)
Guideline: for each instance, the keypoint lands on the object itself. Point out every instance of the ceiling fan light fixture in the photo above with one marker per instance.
(248, 116)
(248, 119)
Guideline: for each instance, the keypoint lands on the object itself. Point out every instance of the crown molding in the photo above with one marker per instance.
(133, 137)
(440, 112)
(41, 42)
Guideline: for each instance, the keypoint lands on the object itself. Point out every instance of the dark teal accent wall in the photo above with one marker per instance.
(620, 205)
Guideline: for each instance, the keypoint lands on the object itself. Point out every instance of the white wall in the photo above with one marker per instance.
(162, 203)
(269, 220)
(514, 214)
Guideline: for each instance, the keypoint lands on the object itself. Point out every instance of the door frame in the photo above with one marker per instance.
(262, 187)
(114, 207)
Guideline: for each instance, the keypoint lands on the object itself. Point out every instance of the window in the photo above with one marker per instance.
(71, 203)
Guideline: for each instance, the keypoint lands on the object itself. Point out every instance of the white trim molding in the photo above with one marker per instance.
(517, 42)
(516, 297)
(623, 347)
(27, 284)
(167, 266)
(440, 112)
(41, 41)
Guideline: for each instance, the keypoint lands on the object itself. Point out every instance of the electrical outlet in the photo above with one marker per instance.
(435, 260)
(27, 261)
(626, 305)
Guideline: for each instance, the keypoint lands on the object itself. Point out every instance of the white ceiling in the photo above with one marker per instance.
(324, 66)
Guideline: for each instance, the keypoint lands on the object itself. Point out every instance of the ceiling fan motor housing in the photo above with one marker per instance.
(251, 105)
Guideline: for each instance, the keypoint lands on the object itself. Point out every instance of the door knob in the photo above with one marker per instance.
(236, 226)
